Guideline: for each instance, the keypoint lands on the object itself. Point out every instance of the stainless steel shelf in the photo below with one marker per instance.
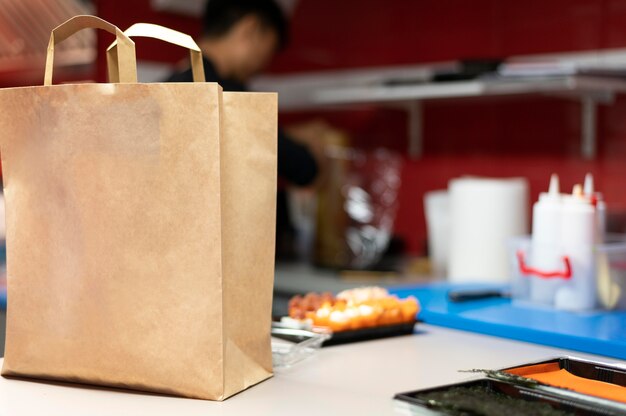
(575, 85)
(589, 90)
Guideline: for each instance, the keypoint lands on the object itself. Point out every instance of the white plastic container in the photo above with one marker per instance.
(599, 283)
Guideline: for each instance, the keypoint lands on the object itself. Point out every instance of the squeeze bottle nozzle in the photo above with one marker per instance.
(588, 188)
(554, 185)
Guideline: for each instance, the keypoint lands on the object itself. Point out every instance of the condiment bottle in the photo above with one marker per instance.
(545, 243)
(578, 235)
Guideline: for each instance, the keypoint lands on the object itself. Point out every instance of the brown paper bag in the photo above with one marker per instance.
(140, 230)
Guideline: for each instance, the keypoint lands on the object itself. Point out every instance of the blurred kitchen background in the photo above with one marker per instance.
(410, 94)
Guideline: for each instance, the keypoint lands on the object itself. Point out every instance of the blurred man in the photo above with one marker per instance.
(239, 39)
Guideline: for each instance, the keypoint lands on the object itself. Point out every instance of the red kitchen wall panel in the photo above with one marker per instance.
(345, 34)
(329, 34)
(530, 137)
(536, 26)
(614, 34)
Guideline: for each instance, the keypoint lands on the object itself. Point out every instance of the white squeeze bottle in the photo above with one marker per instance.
(545, 243)
(578, 235)
(597, 199)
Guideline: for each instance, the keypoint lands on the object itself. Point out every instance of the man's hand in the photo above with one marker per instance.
(317, 135)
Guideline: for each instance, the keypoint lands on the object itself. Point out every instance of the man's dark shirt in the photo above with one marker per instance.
(296, 165)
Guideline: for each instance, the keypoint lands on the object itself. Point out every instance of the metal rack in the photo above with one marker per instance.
(302, 92)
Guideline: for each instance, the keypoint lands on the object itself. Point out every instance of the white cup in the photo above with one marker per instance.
(437, 211)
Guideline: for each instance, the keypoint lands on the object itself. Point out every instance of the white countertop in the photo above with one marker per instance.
(354, 379)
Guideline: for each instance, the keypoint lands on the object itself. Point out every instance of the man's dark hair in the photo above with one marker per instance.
(221, 15)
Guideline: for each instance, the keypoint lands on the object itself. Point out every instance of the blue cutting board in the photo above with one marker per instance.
(597, 332)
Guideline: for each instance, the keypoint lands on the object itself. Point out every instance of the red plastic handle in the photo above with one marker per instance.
(526, 270)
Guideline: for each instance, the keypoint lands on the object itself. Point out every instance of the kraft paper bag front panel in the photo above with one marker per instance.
(114, 238)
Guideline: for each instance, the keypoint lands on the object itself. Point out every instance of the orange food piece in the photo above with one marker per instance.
(553, 375)
(409, 308)
(354, 310)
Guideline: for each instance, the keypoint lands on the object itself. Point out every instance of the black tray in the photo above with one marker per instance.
(574, 403)
(366, 334)
(587, 369)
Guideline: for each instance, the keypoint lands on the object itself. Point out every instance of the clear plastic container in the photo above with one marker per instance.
(290, 346)
(603, 278)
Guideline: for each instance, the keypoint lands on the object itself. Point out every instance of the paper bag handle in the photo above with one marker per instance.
(148, 30)
(126, 65)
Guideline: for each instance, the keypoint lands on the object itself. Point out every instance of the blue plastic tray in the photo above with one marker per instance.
(602, 333)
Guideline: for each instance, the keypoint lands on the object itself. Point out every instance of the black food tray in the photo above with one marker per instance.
(366, 334)
(587, 369)
(569, 405)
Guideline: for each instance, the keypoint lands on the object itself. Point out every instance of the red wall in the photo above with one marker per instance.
(529, 137)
